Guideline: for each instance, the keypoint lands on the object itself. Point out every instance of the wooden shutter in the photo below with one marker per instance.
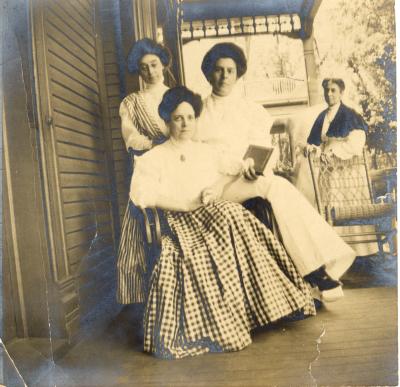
(75, 152)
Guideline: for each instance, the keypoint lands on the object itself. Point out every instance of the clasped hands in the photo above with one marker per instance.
(211, 195)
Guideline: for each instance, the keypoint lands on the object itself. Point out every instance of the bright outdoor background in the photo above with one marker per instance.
(354, 40)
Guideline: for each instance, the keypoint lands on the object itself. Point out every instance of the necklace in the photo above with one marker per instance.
(178, 149)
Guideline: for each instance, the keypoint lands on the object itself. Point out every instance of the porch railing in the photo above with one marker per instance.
(277, 91)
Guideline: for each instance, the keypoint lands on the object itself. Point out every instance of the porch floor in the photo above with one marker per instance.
(350, 342)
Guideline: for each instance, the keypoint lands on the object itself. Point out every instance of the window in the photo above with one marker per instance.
(275, 75)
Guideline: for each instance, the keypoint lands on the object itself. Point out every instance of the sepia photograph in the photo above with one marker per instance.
(199, 193)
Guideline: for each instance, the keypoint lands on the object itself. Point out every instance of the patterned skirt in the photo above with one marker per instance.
(220, 274)
(131, 266)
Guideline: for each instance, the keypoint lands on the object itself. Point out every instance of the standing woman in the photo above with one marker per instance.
(338, 130)
(338, 134)
(142, 128)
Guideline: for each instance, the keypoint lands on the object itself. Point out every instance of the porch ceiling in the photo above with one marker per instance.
(206, 9)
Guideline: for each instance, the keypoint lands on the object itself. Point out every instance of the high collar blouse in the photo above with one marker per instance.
(232, 123)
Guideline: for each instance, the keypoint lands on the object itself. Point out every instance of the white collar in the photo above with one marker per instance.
(181, 145)
(332, 110)
(155, 90)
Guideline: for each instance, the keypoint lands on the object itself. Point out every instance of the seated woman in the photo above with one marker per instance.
(221, 272)
(230, 123)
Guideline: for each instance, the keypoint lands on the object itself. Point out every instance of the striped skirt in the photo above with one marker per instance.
(131, 266)
(220, 274)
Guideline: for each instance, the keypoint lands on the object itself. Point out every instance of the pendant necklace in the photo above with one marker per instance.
(179, 150)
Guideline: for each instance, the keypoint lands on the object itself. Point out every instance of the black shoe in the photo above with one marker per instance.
(321, 279)
(318, 304)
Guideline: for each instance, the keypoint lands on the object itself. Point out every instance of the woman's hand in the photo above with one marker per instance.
(248, 169)
(327, 155)
(211, 195)
(311, 148)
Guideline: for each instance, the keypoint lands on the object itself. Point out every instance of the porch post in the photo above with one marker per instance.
(314, 96)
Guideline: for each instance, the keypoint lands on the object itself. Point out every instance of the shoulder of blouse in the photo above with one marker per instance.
(130, 99)
(154, 154)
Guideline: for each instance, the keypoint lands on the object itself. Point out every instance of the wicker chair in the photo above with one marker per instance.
(344, 198)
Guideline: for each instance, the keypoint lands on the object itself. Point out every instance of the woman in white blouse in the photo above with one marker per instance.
(142, 128)
(230, 123)
(221, 272)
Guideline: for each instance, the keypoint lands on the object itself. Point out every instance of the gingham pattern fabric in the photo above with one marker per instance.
(220, 274)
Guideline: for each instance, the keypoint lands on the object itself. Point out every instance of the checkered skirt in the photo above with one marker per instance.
(220, 274)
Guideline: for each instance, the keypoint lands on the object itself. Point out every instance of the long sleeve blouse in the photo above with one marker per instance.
(178, 171)
(339, 130)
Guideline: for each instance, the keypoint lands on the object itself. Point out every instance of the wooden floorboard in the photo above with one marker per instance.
(357, 347)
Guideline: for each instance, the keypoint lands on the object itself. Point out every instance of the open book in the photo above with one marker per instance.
(261, 155)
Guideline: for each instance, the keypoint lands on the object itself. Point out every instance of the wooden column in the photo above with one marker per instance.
(314, 93)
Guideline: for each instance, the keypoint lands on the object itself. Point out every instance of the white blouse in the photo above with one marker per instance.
(232, 123)
(342, 147)
(178, 171)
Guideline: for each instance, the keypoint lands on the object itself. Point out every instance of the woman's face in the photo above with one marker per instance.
(183, 122)
(223, 77)
(332, 93)
(151, 69)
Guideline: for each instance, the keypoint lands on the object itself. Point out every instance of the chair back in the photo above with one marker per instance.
(341, 183)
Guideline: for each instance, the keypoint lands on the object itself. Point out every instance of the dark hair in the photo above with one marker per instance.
(143, 47)
(338, 81)
(224, 50)
(174, 97)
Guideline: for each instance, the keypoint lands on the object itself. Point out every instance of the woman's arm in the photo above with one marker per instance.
(133, 139)
(145, 197)
(212, 194)
(352, 145)
(148, 189)
(167, 202)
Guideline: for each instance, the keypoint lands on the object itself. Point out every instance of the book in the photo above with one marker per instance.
(261, 155)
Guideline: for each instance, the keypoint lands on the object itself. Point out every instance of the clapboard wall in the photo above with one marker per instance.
(115, 85)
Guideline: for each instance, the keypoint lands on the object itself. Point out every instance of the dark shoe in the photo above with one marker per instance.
(321, 279)
(318, 303)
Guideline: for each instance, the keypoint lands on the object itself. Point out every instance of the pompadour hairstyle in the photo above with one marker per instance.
(174, 97)
(143, 47)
